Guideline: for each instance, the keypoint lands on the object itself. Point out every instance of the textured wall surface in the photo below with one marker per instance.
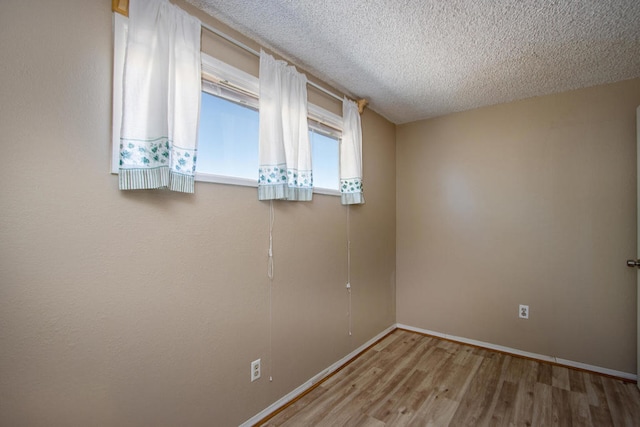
(146, 308)
(532, 202)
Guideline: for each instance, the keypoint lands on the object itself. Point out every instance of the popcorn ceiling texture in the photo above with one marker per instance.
(416, 59)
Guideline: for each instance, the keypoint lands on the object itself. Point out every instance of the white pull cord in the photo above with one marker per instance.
(270, 275)
(349, 267)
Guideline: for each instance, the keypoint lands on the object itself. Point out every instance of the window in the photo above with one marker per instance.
(229, 125)
(228, 145)
(229, 131)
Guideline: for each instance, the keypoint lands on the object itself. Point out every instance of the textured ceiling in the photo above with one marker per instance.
(418, 59)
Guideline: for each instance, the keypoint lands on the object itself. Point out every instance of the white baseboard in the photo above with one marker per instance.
(313, 381)
(542, 357)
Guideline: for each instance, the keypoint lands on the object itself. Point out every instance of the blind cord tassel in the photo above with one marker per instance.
(270, 253)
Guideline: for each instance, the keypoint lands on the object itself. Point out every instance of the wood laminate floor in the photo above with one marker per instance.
(415, 380)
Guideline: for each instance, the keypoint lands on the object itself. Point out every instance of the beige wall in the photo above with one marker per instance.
(146, 308)
(531, 202)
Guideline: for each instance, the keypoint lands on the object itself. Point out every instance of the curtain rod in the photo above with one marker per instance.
(362, 103)
(256, 53)
(122, 7)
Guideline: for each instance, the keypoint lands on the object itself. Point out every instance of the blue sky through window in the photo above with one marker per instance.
(324, 157)
(227, 138)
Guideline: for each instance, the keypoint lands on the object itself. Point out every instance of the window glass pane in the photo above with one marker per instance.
(227, 138)
(324, 152)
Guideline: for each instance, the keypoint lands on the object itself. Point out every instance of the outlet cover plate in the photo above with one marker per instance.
(255, 370)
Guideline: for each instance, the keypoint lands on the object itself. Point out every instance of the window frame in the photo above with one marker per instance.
(215, 73)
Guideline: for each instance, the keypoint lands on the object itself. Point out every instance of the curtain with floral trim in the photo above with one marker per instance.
(351, 155)
(285, 171)
(161, 98)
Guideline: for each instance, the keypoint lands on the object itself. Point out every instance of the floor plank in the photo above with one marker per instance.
(560, 377)
(476, 403)
(504, 409)
(542, 405)
(408, 379)
(544, 373)
(523, 411)
(561, 407)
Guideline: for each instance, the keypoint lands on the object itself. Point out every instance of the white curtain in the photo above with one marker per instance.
(161, 99)
(351, 155)
(284, 151)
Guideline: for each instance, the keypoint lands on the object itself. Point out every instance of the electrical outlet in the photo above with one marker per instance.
(523, 311)
(255, 370)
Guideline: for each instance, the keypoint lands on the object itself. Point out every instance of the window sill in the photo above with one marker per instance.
(245, 182)
(223, 179)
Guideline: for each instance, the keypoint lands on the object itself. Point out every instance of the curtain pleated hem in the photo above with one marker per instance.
(352, 198)
(300, 194)
(182, 183)
(153, 179)
(283, 192)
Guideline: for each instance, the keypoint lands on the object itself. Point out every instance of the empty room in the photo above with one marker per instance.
(380, 213)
